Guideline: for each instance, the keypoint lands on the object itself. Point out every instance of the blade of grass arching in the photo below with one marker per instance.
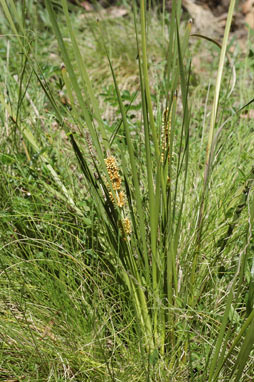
(11, 20)
(84, 74)
(74, 81)
(209, 158)
(31, 139)
(29, 136)
(228, 56)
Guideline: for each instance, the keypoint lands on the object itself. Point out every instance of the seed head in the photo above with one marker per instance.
(120, 199)
(113, 172)
(127, 226)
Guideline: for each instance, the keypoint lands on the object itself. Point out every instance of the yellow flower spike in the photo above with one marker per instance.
(127, 226)
(113, 172)
(120, 199)
(116, 181)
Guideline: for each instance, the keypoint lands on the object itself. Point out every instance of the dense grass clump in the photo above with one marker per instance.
(126, 198)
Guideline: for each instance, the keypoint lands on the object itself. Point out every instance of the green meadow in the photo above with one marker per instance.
(126, 193)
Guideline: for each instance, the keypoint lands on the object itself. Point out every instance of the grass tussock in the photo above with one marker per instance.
(126, 199)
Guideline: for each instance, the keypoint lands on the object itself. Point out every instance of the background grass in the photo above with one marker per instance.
(65, 315)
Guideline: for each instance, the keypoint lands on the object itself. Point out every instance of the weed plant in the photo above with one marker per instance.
(126, 241)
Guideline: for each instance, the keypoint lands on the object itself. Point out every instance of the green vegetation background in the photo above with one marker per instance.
(71, 307)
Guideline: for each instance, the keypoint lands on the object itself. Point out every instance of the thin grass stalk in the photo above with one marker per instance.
(76, 88)
(169, 248)
(146, 130)
(237, 339)
(146, 77)
(172, 56)
(184, 132)
(17, 18)
(184, 47)
(182, 157)
(186, 120)
(174, 232)
(215, 358)
(154, 206)
(218, 84)
(163, 18)
(153, 203)
(152, 210)
(74, 81)
(84, 74)
(209, 151)
(139, 288)
(244, 353)
(132, 161)
(31, 139)
(249, 339)
(151, 195)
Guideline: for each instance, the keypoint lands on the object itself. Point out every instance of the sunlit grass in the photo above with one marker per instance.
(84, 295)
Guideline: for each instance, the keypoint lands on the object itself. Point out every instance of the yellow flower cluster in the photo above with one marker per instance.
(127, 226)
(113, 173)
(119, 195)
